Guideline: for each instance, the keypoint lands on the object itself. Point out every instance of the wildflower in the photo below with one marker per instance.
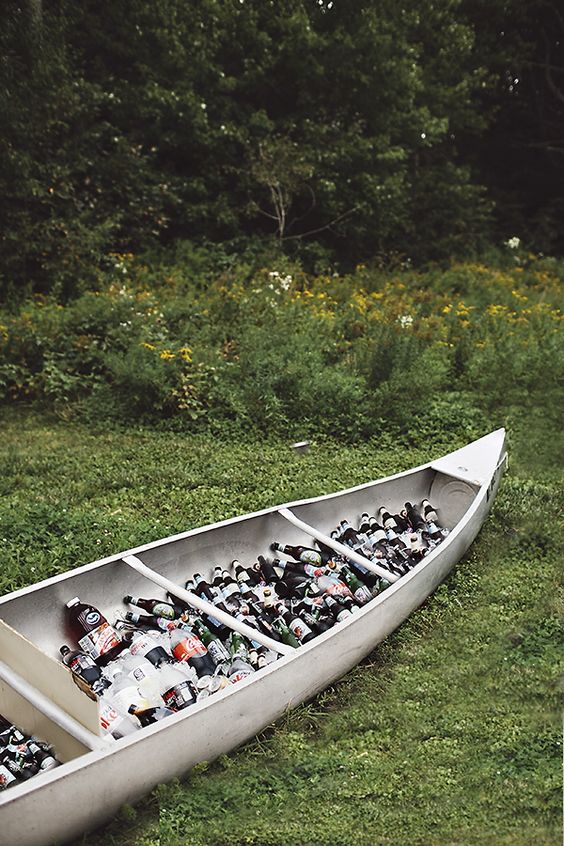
(513, 243)
(166, 355)
(405, 320)
(148, 346)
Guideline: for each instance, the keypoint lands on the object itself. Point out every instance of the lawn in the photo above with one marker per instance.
(449, 733)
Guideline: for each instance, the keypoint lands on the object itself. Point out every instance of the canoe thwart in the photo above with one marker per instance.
(50, 710)
(207, 607)
(337, 546)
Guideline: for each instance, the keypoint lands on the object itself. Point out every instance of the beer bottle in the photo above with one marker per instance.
(268, 572)
(415, 550)
(237, 646)
(247, 593)
(267, 599)
(386, 519)
(348, 534)
(84, 667)
(155, 606)
(263, 622)
(416, 521)
(148, 622)
(217, 576)
(335, 610)
(429, 513)
(7, 778)
(42, 754)
(305, 554)
(217, 650)
(364, 524)
(298, 627)
(358, 590)
(402, 522)
(199, 586)
(286, 635)
(177, 602)
(148, 716)
(433, 532)
(19, 768)
(244, 574)
(186, 646)
(92, 631)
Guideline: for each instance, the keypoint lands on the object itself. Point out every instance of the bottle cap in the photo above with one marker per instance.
(64, 650)
(72, 602)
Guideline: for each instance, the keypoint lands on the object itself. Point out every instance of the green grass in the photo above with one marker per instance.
(449, 733)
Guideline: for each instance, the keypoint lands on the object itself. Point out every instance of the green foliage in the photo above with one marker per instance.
(279, 351)
(143, 123)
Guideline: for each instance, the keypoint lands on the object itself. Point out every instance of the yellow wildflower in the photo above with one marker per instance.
(166, 355)
(148, 346)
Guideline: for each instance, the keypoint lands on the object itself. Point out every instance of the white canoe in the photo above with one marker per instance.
(98, 776)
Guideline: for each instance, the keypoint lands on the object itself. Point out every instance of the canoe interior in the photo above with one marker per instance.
(38, 615)
(25, 715)
(32, 622)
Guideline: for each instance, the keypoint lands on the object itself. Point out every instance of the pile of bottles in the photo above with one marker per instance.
(164, 656)
(22, 755)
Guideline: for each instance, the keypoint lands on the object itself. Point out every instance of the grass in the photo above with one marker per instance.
(447, 734)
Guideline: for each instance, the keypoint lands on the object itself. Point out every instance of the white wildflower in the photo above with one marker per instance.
(513, 243)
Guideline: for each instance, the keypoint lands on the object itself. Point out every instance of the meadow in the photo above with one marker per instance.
(165, 400)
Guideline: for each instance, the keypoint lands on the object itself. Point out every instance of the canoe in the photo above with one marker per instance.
(98, 775)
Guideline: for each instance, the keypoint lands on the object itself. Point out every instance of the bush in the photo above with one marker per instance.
(280, 351)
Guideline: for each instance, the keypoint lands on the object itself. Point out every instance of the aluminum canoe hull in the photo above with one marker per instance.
(87, 791)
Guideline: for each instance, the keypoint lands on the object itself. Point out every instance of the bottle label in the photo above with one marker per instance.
(218, 652)
(338, 589)
(178, 697)
(362, 595)
(82, 662)
(143, 672)
(312, 571)
(230, 589)
(189, 647)
(310, 556)
(299, 628)
(162, 609)
(108, 716)
(238, 676)
(99, 641)
(6, 777)
(166, 624)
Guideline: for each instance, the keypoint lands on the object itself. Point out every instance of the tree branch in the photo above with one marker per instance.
(323, 228)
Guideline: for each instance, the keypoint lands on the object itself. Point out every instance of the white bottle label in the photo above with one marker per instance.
(299, 628)
(6, 777)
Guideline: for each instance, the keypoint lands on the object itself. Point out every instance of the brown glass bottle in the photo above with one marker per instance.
(92, 632)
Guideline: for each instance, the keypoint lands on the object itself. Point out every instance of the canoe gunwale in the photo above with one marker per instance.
(138, 550)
